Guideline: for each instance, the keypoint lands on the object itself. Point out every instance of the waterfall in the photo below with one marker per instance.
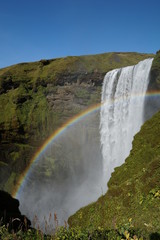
(121, 116)
(69, 174)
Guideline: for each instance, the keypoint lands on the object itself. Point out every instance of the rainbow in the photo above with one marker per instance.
(60, 131)
(49, 141)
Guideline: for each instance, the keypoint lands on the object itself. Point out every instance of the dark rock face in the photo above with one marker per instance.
(155, 73)
(93, 79)
(71, 94)
(10, 214)
(152, 103)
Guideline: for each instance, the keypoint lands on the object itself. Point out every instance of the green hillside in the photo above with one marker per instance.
(133, 190)
(49, 70)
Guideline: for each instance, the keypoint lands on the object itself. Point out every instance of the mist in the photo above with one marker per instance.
(67, 177)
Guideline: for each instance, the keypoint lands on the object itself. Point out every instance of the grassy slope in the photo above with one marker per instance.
(51, 68)
(134, 188)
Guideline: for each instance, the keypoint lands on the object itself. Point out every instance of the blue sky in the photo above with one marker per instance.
(31, 30)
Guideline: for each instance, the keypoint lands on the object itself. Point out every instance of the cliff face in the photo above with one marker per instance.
(37, 98)
(155, 73)
(152, 104)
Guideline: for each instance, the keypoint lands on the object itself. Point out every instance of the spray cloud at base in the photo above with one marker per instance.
(67, 176)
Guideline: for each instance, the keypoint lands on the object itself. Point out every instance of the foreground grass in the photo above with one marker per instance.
(126, 232)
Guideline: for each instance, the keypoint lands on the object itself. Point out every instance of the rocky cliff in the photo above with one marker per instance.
(152, 104)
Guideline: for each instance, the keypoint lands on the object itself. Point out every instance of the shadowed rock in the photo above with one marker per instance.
(10, 214)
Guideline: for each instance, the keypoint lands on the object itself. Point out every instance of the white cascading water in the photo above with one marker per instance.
(123, 96)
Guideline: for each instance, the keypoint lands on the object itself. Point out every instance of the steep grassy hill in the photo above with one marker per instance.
(36, 98)
(134, 188)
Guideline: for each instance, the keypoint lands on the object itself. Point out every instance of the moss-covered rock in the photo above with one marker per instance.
(152, 103)
(155, 73)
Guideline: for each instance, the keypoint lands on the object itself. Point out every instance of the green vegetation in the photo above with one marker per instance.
(133, 190)
(47, 71)
(29, 234)
(126, 232)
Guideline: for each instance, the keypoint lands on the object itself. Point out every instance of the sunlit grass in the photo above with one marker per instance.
(55, 232)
